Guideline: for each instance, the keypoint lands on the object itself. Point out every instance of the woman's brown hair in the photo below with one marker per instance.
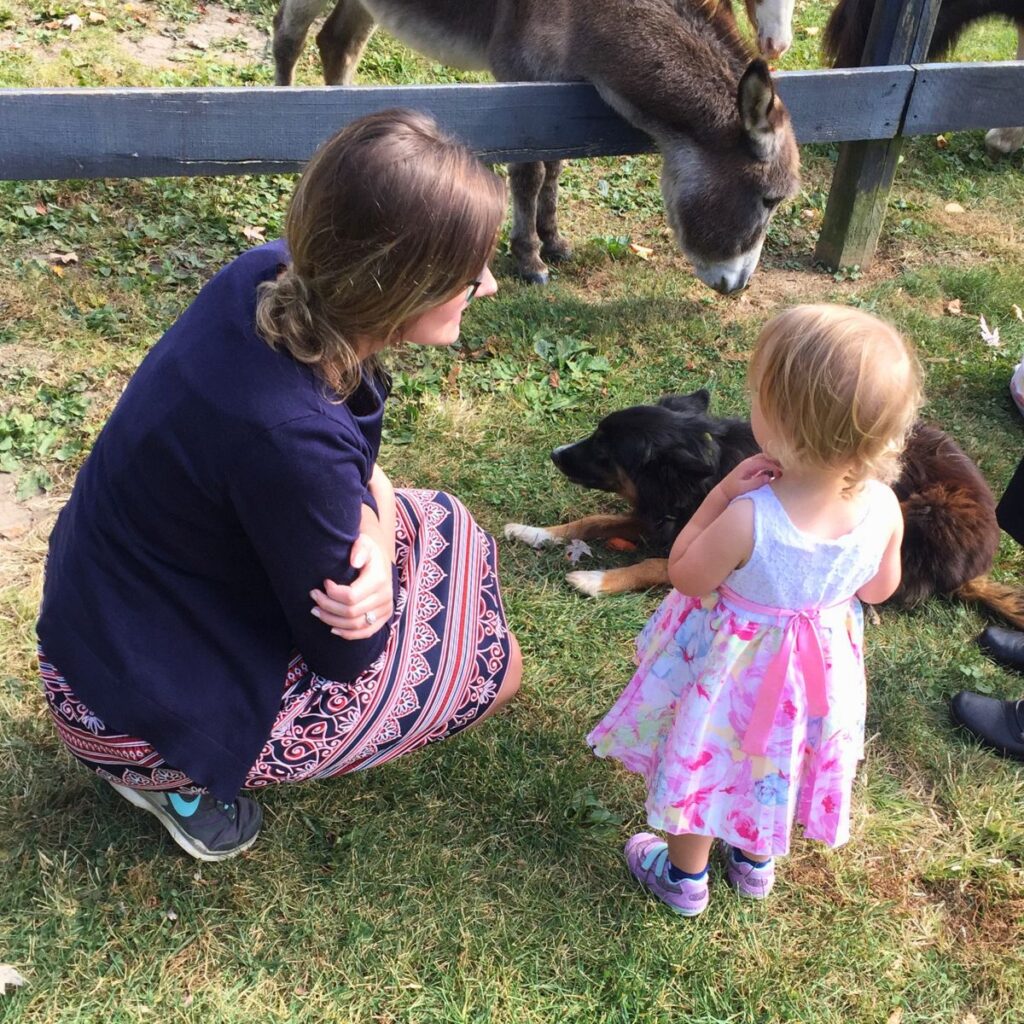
(390, 218)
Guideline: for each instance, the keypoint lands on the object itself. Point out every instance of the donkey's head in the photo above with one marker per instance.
(721, 189)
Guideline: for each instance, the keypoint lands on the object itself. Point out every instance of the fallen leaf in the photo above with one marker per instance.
(808, 213)
(954, 208)
(554, 379)
(41, 207)
(811, 30)
(576, 549)
(642, 251)
(95, 18)
(9, 976)
(1017, 312)
(941, 142)
(896, 1016)
(990, 337)
(254, 234)
(72, 22)
(62, 257)
(57, 269)
(953, 307)
(198, 44)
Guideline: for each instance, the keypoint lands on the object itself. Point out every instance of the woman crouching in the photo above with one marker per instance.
(235, 594)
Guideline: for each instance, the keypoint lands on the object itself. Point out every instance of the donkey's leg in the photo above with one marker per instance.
(1003, 141)
(342, 39)
(291, 23)
(553, 247)
(527, 181)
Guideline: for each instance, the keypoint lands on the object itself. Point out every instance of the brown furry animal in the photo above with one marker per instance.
(679, 70)
(663, 459)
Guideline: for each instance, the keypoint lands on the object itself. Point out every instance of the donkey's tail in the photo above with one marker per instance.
(1001, 598)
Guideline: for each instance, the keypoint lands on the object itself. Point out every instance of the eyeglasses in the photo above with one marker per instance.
(472, 287)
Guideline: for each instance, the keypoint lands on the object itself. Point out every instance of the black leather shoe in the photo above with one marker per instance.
(1005, 646)
(997, 723)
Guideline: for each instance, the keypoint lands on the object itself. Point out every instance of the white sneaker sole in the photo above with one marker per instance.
(189, 844)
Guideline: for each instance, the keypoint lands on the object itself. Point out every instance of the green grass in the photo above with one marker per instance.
(481, 880)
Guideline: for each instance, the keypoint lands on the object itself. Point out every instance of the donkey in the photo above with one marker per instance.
(847, 31)
(676, 69)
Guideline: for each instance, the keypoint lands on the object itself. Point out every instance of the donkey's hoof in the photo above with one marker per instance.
(534, 276)
(1000, 142)
(557, 252)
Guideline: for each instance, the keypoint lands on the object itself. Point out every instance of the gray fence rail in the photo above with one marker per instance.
(91, 133)
(957, 97)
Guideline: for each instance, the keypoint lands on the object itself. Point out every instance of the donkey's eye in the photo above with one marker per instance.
(770, 202)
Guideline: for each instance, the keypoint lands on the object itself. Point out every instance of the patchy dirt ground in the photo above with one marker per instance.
(233, 36)
(145, 35)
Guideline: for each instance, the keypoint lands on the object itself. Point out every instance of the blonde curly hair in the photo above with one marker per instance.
(838, 387)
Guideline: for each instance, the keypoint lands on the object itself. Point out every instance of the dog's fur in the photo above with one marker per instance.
(663, 459)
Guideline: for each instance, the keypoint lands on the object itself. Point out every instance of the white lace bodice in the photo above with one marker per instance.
(789, 568)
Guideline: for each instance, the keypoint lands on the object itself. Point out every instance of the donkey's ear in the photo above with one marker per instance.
(759, 113)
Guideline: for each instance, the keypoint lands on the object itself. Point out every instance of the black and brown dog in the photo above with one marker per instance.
(663, 459)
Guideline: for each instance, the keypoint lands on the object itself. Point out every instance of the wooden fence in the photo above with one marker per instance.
(137, 133)
(92, 133)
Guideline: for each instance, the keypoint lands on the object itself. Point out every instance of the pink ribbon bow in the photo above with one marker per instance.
(801, 635)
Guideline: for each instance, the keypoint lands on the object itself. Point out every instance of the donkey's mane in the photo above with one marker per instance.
(653, 78)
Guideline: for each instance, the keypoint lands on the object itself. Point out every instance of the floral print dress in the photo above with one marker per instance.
(747, 707)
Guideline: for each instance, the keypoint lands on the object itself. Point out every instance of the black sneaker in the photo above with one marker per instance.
(201, 825)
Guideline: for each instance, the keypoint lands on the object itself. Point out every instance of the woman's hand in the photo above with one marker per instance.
(359, 610)
(749, 475)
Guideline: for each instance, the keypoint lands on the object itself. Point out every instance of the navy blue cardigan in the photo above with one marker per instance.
(224, 487)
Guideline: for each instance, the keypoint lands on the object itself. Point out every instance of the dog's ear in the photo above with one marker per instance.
(696, 401)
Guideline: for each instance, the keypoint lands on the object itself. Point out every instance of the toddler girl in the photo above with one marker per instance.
(747, 708)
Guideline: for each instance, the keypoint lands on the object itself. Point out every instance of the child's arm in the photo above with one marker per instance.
(884, 583)
(720, 536)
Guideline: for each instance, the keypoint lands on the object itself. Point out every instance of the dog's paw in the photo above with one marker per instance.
(588, 581)
(535, 536)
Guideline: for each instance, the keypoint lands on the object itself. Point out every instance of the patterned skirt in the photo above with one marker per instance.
(444, 663)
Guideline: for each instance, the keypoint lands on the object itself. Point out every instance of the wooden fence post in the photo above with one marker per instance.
(900, 33)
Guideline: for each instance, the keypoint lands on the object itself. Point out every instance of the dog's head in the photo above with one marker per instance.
(663, 459)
